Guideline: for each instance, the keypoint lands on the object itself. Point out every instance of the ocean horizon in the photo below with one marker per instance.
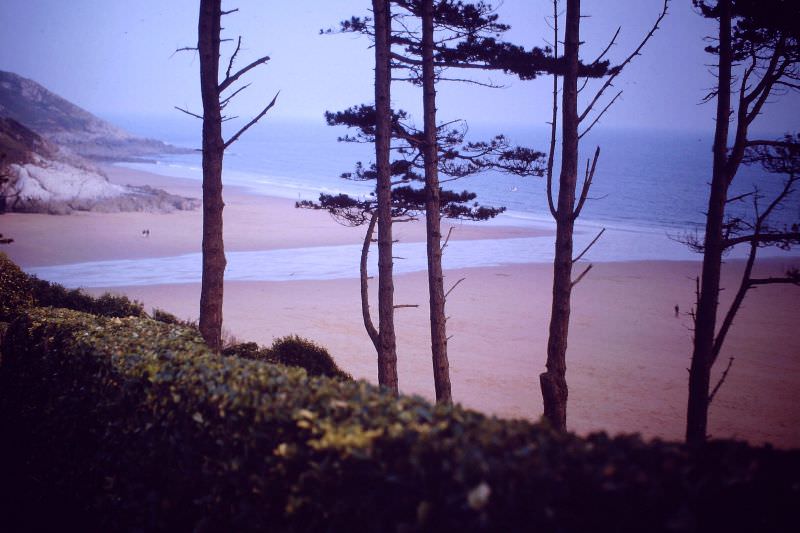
(645, 178)
(649, 193)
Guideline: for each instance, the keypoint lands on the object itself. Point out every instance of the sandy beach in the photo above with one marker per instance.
(628, 352)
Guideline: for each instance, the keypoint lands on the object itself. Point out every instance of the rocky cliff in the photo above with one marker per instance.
(40, 169)
(70, 126)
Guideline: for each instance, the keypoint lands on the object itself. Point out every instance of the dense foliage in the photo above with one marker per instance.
(49, 294)
(20, 290)
(15, 288)
(291, 351)
(456, 159)
(132, 424)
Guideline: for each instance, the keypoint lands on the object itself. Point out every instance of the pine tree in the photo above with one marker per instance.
(437, 36)
(568, 205)
(457, 159)
(214, 103)
(760, 39)
(430, 37)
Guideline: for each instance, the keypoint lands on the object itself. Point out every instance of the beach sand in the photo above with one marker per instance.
(628, 353)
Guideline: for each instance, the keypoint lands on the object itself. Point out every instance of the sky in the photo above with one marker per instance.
(117, 58)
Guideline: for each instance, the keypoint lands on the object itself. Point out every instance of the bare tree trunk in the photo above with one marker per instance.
(208, 43)
(553, 382)
(387, 349)
(365, 314)
(706, 313)
(433, 225)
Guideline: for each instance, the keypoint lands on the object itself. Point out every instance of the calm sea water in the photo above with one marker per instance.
(645, 179)
(650, 188)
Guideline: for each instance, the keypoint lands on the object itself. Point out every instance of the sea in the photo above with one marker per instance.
(649, 194)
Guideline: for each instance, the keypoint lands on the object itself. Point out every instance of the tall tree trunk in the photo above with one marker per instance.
(706, 313)
(387, 350)
(433, 225)
(553, 382)
(208, 43)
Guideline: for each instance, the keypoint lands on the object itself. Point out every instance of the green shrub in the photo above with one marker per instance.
(291, 351)
(168, 318)
(131, 424)
(246, 350)
(24, 291)
(19, 291)
(297, 351)
(49, 294)
(15, 288)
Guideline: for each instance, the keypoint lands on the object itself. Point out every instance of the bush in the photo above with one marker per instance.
(15, 288)
(19, 291)
(168, 318)
(246, 350)
(24, 290)
(49, 294)
(297, 351)
(130, 424)
(291, 351)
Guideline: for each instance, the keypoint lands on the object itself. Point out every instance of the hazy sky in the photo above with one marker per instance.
(117, 57)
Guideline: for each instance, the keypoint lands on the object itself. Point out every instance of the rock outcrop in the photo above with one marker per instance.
(38, 176)
(44, 145)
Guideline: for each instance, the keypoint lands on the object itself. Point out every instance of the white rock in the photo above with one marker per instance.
(56, 181)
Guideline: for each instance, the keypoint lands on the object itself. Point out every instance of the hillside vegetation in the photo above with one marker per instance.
(132, 424)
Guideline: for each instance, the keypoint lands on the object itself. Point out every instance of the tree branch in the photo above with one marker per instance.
(587, 183)
(600, 115)
(619, 69)
(596, 238)
(230, 79)
(744, 286)
(789, 280)
(195, 115)
(256, 119)
(488, 84)
(766, 238)
(739, 197)
(185, 49)
(745, 115)
(762, 99)
(583, 274)
(225, 102)
(365, 314)
(610, 44)
(456, 284)
(720, 382)
(233, 58)
(747, 282)
(442, 64)
(765, 79)
(794, 86)
(554, 120)
(447, 239)
(774, 144)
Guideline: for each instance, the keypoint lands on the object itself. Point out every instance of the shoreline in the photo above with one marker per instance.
(253, 222)
(627, 356)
